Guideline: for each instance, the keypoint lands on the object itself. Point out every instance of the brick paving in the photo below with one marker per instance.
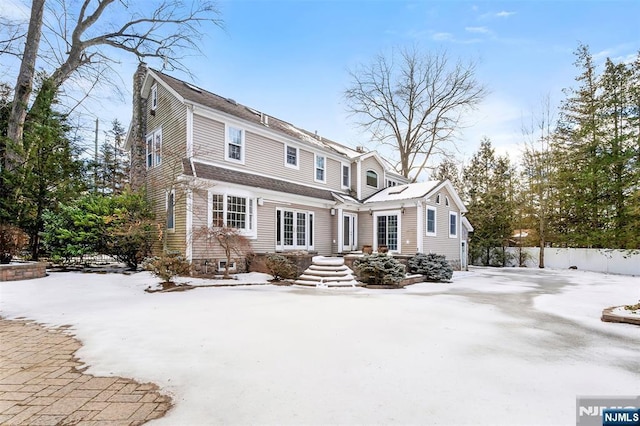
(42, 383)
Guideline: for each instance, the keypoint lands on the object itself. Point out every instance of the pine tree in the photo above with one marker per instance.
(448, 169)
(112, 169)
(490, 195)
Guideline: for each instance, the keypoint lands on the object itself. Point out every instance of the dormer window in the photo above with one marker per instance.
(372, 178)
(154, 97)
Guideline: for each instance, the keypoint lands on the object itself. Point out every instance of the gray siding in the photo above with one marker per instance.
(170, 116)
(263, 155)
(409, 224)
(371, 164)
(442, 243)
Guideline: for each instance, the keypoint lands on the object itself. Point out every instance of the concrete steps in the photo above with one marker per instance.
(327, 272)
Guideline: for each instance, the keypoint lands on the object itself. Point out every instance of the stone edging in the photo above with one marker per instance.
(609, 316)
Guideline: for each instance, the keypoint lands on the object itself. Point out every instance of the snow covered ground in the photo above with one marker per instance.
(511, 346)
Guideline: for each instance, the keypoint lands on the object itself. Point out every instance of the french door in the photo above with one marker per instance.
(349, 232)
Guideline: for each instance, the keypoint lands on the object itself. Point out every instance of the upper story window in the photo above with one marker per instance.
(234, 148)
(154, 96)
(346, 176)
(321, 162)
(453, 224)
(291, 156)
(431, 221)
(233, 211)
(391, 183)
(438, 199)
(171, 210)
(372, 178)
(154, 149)
(446, 201)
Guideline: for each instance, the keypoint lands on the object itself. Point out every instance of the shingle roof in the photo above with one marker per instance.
(403, 192)
(209, 171)
(229, 106)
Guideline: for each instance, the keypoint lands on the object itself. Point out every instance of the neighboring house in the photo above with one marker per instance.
(206, 160)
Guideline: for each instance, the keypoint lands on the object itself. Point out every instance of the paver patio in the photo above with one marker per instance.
(42, 383)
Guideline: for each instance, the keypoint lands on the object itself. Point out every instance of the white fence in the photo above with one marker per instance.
(625, 262)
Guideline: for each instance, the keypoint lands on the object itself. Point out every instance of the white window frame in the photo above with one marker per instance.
(437, 198)
(343, 167)
(154, 97)
(453, 214)
(251, 221)
(171, 209)
(446, 201)
(435, 221)
(398, 214)
(310, 229)
(153, 144)
(227, 140)
(316, 168)
(223, 263)
(286, 157)
(366, 178)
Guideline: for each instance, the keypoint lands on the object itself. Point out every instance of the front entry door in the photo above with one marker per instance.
(349, 236)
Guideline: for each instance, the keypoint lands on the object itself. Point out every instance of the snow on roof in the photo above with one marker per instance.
(304, 136)
(403, 192)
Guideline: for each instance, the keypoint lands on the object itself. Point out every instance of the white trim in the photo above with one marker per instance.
(397, 213)
(227, 142)
(316, 168)
(359, 180)
(310, 234)
(354, 237)
(189, 131)
(154, 96)
(367, 179)
(342, 166)
(286, 156)
(167, 194)
(420, 219)
(435, 221)
(251, 212)
(189, 226)
(452, 213)
(232, 267)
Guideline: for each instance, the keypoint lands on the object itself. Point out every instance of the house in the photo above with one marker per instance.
(205, 159)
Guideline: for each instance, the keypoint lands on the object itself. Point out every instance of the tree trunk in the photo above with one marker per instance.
(24, 83)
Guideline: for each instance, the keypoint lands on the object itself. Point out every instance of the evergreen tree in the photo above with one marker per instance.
(448, 169)
(490, 200)
(112, 169)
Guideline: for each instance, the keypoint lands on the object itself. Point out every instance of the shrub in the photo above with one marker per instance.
(433, 266)
(12, 241)
(380, 268)
(280, 267)
(167, 266)
(131, 242)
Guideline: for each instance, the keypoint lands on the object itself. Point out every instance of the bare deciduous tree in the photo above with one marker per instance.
(413, 102)
(79, 41)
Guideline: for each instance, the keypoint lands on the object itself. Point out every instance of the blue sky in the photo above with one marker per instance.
(290, 59)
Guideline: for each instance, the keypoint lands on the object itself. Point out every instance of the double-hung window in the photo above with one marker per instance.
(453, 224)
(320, 171)
(154, 97)
(234, 148)
(154, 148)
(346, 176)
(291, 156)
(171, 210)
(233, 211)
(431, 221)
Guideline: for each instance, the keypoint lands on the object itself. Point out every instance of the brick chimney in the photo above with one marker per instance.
(138, 170)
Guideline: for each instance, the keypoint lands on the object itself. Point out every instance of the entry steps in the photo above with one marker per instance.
(327, 272)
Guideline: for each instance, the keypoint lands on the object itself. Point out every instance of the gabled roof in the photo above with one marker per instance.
(403, 192)
(412, 191)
